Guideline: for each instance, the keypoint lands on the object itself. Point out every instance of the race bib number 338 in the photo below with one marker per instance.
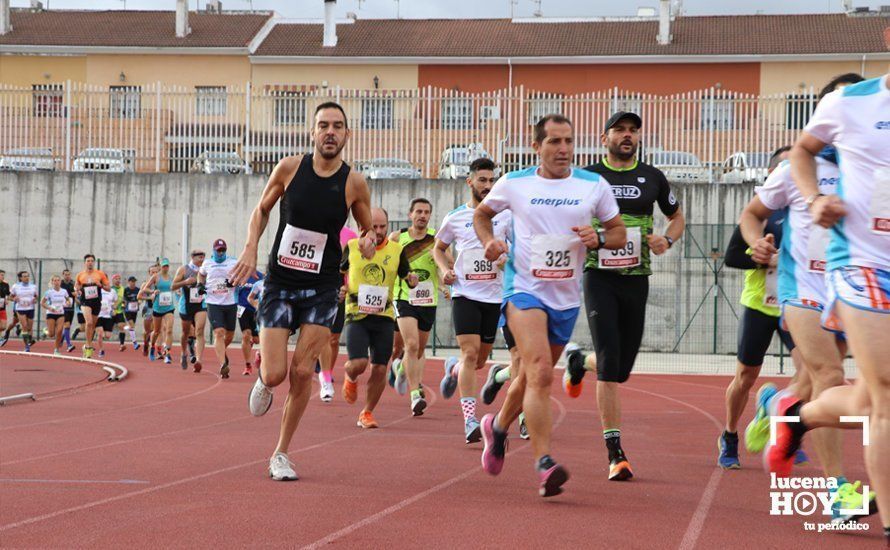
(629, 256)
(301, 249)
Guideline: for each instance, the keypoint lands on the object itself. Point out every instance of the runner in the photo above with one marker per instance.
(853, 120)
(416, 307)
(317, 192)
(159, 288)
(24, 294)
(117, 315)
(476, 292)
(192, 311)
(130, 306)
(328, 358)
(250, 335)
(147, 322)
(54, 301)
(498, 375)
(370, 314)
(68, 284)
(222, 309)
(88, 284)
(4, 296)
(552, 205)
(105, 324)
(253, 298)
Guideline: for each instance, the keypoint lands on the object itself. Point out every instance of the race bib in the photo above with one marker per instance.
(25, 302)
(165, 299)
(771, 295)
(372, 299)
(819, 238)
(553, 257)
(879, 214)
(219, 288)
(629, 256)
(132, 307)
(476, 267)
(90, 292)
(194, 296)
(240, 311)
(301, 249)
(422, 294)
(105, 310)
(69, 302)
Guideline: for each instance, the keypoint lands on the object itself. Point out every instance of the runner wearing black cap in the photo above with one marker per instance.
(616, 282)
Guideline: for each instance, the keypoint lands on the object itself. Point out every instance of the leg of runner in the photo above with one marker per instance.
(326, 362)
(474, 354)
(147, 326)
(186, 326)
(415, 342)
(397, 377)
(91, 317)
(25, 323)
(157, 324)
(199, 330)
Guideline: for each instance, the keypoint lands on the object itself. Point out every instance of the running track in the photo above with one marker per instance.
(169, 458)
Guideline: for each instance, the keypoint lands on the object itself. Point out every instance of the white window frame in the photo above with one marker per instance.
(289, 108)
(210, 100)
(377, 113)
(125, 102)
(457, 113)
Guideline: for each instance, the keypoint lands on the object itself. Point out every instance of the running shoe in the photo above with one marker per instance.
(619, 469)
(88, 353)
(849, 504)
(193, 358)
(3, 341)
(778, 458)
(418, 404)
(151, 354)
(472, 431)
(27, 348)
(259, 401)
(326, 389)
(71, 348)
(167, 359)
(135, 346)
(523, 429)
(573, 376)
(449, 382)
(391, 377)
(145, 347)
(757, 431)
(184, 362)
(801, 458)
(248, 370)
(122, 347)
(491, 387)
(366, 421)
(494, 447)
(350, 390)
(728, 452)
(401, 381)
(57, 352)
(552, 477)
(224, 370)
(197, 367)
(281, 468)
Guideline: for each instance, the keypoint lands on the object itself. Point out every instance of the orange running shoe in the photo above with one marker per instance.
(350, 391)
(619, 470)
(573, 376)
(366, 419)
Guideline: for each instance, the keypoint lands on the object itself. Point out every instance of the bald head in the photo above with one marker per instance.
(380, 224)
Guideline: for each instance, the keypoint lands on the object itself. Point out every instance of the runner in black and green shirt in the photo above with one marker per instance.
(616, 282)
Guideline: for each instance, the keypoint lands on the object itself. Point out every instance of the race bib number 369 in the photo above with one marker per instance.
(629, 256)
(553, 257)
(476, 267)
(301, 249)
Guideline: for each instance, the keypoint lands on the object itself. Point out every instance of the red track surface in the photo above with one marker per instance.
(171, 458)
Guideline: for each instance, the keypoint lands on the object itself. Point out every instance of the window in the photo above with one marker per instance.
(798, 110)
(290, 108)
(457, 114)
(539, 107)
(47, 100)
(210, 100)
(717, 114)
(631, 104)
(125, 101)
(377, 114)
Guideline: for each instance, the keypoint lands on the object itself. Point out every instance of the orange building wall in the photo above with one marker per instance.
(571, 79)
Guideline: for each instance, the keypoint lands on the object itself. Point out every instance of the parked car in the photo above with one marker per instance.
(455, 160)
(98, 159)
(28, 160)
(218, 162)
(745, 167)
(679, 166)
(387, 168)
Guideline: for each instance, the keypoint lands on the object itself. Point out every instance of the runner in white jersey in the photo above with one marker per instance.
(476, 292)
(24, 296)
(222, 308)
(552, 205)
(856, 120)
(54, 301)
(105, 322)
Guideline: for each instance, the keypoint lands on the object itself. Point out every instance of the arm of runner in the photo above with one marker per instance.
(103, 282)
(144, 292)
(259, 218)
(736, 255)
(446, 267)
(405, 271)
(358, 196)
(482, 216)
(45, 301)
(179, 280)
(826, 209)
(616, 234)
(751, 225)
(676, 225)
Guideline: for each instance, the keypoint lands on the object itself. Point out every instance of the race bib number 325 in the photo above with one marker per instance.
(301, 249)
(553, 257)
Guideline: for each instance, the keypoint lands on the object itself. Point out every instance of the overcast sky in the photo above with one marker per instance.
(472, 8)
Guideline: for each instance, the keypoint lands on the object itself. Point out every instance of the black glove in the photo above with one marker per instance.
(229, 284)
(202, 290)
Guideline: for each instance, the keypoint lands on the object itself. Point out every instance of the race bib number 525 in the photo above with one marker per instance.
(301, 249)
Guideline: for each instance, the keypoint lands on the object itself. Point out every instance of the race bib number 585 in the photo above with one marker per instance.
(301, 249)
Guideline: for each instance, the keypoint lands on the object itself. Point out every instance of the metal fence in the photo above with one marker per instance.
(694, 136)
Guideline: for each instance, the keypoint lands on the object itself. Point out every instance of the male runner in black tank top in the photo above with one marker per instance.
(317, 192)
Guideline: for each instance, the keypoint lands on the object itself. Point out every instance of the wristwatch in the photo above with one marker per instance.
(812, 198)
(601, 238)
(669, 240)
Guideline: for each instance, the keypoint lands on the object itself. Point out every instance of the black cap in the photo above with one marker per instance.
(131, 278)
(621, 115)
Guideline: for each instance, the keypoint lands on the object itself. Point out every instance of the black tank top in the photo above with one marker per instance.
(312, 213)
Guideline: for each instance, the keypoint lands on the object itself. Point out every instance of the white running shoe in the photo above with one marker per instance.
(326, 393)
(280, 468)
(401, 382)
(260, 399)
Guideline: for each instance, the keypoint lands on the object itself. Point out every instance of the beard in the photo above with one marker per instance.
(328, 155)
(615, 150)
(477, 196)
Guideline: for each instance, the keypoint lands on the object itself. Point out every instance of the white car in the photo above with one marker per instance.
(745, 168)
(28, 160)
(218, 162)
(388, 168)
(679, 166)
(98, 159)
(455, 160)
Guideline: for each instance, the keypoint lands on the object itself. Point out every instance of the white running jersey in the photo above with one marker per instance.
(547, 257)
(219, 293)
(57, 300)
(109, 297)
(802, 257)
(26, 296)
(477, 278)
(856, 120)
